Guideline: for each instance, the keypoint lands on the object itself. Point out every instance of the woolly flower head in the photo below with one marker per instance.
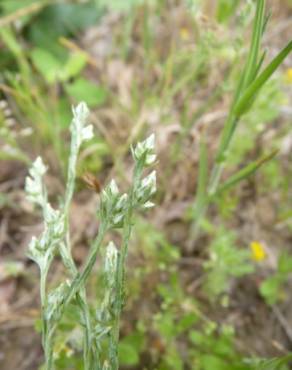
(146, 189)
(144, 151)
(111, 261)
(33, 182)
(80, 131)
(113, 204)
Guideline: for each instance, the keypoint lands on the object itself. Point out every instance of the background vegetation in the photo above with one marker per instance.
(207, 287)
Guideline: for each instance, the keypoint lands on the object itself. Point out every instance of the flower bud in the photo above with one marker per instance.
(111, 262)
(144, 151)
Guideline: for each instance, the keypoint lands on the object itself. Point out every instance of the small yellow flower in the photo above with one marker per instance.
(184, 34)
(289, 75)
(258, 251)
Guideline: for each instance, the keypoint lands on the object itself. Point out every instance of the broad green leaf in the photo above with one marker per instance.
(61, 19)
(47, 64)
(128, 355)
(82, 89)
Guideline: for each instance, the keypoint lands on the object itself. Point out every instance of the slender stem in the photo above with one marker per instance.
(46, 336)
(120, 274)
(81, 278)
(68, 259)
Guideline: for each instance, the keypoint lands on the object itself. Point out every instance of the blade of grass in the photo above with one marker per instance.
(244, 101)
(247, 171)
(258, 27)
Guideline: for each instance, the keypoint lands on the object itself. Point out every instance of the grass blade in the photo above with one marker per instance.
(246, 171)
(244, 101)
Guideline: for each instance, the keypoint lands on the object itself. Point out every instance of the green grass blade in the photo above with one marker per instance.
(245, 100)
(258, 28)
(246, 171)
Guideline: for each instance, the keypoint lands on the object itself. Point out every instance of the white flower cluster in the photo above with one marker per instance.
(41, 250)
(111, 262)
(113, 204)
(144, 151)
(34, 183)
(81, 132)
(146, 189)
(55, 299)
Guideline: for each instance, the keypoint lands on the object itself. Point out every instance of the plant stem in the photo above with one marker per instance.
(80, 278)
(120, 274)
(46, 337)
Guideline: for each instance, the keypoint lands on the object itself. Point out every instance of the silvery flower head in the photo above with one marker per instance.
(34, 183)
(146, 189)
(55, 299)
(79, 130)
(144, 151)
(111, 261)
(113, 204)
(35, 253)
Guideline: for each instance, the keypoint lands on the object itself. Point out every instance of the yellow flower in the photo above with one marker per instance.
(258, 251)
(184, 34)
(289, 75)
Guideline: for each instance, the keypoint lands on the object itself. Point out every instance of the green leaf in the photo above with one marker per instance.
(47, 64)
(74, 65)
(120, 5)
(225, 9)
(270, 364)
(285, 264)
(246, 172)
(128, 355)
(252, 62)
(210, 362)
(245, 100)
(82, 89)
(270, 289)
(58, 20)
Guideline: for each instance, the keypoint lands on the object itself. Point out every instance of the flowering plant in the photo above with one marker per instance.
(115, 211)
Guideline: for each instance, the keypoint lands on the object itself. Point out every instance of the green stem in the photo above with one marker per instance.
(46, 336)
(81, 278)
(120, 274)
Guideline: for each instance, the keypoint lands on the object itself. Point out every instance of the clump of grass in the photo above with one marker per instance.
(115, 212)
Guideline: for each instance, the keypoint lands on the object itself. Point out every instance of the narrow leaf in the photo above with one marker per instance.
(254, 87)
(258, 27)
(246, 171)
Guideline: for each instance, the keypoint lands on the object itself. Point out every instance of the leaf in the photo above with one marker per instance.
(246, 172)
(61, 20)
(285, 263)
(244, 101)
(252, 62)
(48, 65)
(75, 64)
(82, 89)
(128, 355)
(120, 5)
(270, 364)
(211, 362)
(270, 289)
